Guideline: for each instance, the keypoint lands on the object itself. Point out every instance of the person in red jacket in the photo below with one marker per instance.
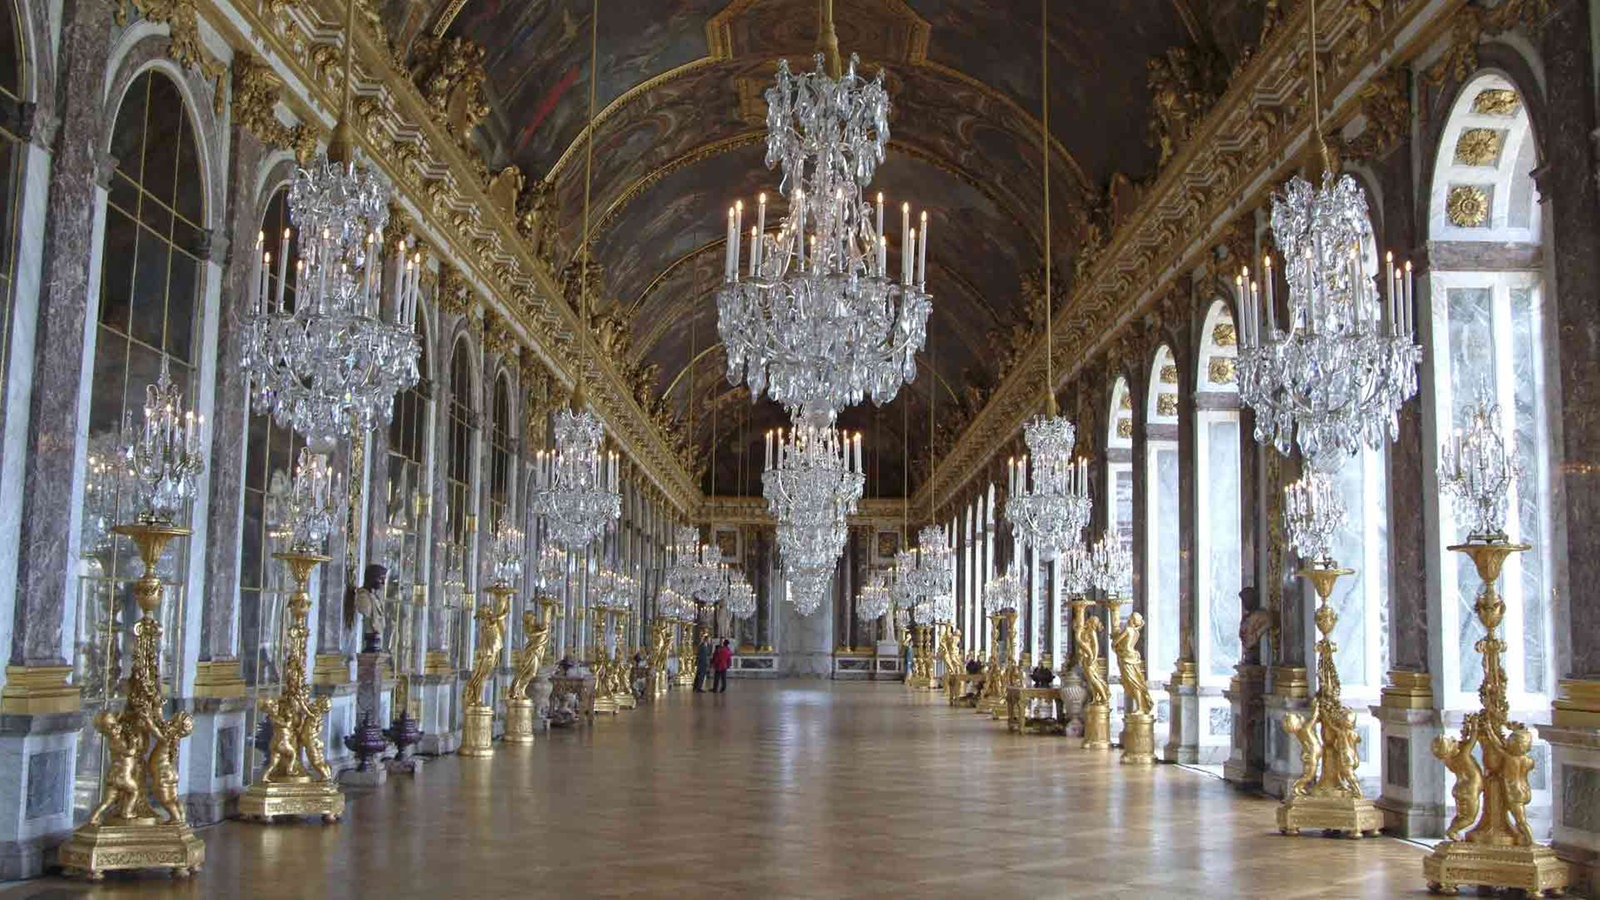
(721, 662)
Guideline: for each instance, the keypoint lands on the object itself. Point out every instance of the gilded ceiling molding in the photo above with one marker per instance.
(1386, 105)
(257, 90)
(182, 18)
(1471, 25)
(1233, 161)
(447, 191)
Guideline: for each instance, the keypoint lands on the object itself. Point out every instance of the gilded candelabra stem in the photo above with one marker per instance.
(491, 618)
(1130, 662)
(536, 631)
(1491, 790)
(139, 805)
(1086, 651)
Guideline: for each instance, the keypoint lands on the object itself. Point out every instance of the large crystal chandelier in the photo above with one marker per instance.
(813, 316)
(808, 588)
(1312, 514)
(329, 361)
(740, 601)
(576, 485)
(812, 481)
(164, 456)
(683, 566)
(506, 549)
(710, 583)
(1334, 376)
(902, 589)
(1478, 470)
(1048, 512)
(873, 601)
(934, 575)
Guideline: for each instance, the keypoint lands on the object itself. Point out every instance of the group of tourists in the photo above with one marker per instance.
(715, 662)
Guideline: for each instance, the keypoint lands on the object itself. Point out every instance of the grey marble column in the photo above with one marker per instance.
(61, 353)
(437, 624)
(231, 408)
(332, 574)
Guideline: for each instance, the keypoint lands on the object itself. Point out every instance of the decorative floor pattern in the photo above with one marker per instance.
(788, 789)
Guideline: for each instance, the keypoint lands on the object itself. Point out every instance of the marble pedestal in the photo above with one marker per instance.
(1283, 752)
(439, 696)
(373, 686)
(1248, 757)
(218, 740)
(37, 757)
(1575, 801)
(1415, 785)
(1183, 726)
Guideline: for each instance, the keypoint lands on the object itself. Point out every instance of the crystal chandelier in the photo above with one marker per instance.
(813, 479)
(1004, 594)
(313, 507)
(740, 601)
(1479, 470)
(1076, 570)
(576, 485)
(164, 457)
(326, 362)
(1312, 513)
(873, 601)
(1110, 566)
(682, 567)
(902, 591)
(506, 547)
(550, 568)
(814, 318)
(808, 588)
(934, 575)
(1049, 512)
(710, 585)
(1334, 377)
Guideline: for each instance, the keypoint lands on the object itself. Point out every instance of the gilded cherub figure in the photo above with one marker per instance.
(1304, 728)
(1467, 792)
(121, 788)
(162, 766)
(310, 735)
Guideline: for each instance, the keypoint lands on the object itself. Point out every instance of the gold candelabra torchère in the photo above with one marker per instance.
(660, 650)
(1002, 672)
(922, 675)
(1497, 849)
(477, 739)
(296, 780)
(140, 821)
(1097, 699)
(622, 663)
(1138, 721)
(1327, 796)
(605, 699)
(536, 631)
(686, 653)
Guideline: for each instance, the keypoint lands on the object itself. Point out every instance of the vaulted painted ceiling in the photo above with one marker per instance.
(680, 134)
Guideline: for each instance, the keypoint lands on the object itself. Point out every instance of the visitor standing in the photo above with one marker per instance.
(721, 661)
(702, 663)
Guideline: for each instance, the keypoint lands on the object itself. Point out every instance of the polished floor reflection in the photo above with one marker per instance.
(803, 789)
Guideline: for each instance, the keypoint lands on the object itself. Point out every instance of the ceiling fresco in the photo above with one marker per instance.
(680, 135)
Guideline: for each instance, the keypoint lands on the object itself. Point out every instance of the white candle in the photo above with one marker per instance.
(727, 251)
(761, 226)
(922, 253)
(283, 267)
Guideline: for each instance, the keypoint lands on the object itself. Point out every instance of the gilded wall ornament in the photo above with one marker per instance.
(1479, 146)
(1222, 370)
(1166, 404)
(1125, 428)
(455, 294)
(499, 339)
(1496, 102)
(1184, 84)
(256, 92)
(1468, 206)
(1386, 104)
(1223, 334)
(1169, 374)
(182, 18)
(450, 75)
(1472, 24)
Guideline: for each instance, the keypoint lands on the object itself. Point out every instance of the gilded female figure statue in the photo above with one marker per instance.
(1131, 665)
(491, 638)
(536, 639)
(1088, 638)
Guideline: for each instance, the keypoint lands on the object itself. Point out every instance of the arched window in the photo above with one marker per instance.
(407, 523)
(460, 511)
(500, 453)
(1163, 496)
(1119, 461)
(148, 311)
(1491, 314)
(1218, 566)
(270, 454)
(13, 151)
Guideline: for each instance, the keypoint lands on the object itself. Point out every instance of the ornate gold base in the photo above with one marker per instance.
(477, 736)
(94, 850)
(265, 801)
(1352, 816)
(605, 703)
(994, 706)
(519, 722)
(1097, 727)
(1138, 739)
(683, 679)
(625, 700)
(1534, 869)
(924, 683)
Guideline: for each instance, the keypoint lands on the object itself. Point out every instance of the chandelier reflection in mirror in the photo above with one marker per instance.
(1334, 376)
(576, 485)
(1312, 514)
(1050, 511)
(808, 588)
(710, 584)
(164, 455)
(325, 361)
(812, 315)
(740, 601)
(934, 576)
(506, 547)
(683, 562)
(1478, 469)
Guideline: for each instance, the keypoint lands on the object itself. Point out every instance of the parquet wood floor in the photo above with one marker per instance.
(789, 789)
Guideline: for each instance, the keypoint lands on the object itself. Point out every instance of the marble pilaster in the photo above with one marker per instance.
(63, 344)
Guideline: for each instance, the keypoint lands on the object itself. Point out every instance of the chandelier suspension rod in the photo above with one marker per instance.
(1044, 149)
(1316, 91)
(588, 164)
(828, 39)
(933, 401)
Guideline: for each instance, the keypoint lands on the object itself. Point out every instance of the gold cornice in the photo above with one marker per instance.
(722, 509)
(433, 173)
(1244, 144)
